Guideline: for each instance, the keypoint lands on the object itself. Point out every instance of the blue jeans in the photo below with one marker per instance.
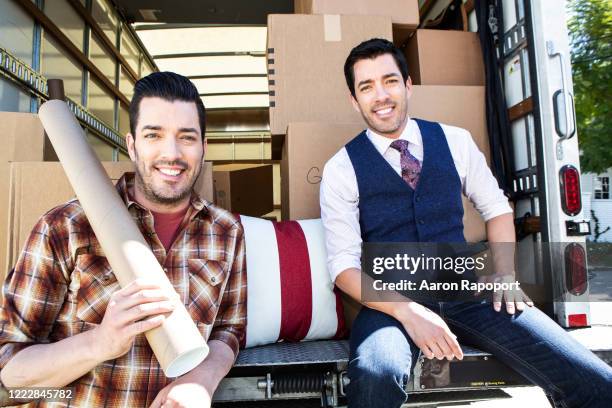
(382, 355)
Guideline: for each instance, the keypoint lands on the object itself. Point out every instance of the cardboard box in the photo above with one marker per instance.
(461, 106)
(444, 57)
(306, 54)
(403, 13)
(23, 139)
(308, 146)
(246, 189)
(37, 187)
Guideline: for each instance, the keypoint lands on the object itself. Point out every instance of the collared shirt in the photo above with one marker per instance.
(339, 196)
(62, 282)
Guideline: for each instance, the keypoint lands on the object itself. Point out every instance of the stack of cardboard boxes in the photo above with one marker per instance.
(30, 186)
(311, 116)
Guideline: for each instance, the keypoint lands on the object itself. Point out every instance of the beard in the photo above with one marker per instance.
(161, 192)
(381, 127)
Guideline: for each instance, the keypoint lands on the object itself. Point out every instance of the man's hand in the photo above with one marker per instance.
(501, 237)
(516, 299)
(429, 332)
(184, 392)
(133, 310)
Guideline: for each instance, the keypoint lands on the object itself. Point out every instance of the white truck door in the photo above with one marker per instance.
(546, 177)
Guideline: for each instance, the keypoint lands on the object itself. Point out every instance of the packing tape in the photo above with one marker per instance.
(332, 27)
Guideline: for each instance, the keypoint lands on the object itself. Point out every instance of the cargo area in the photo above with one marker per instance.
(278, 108)
(249, 61)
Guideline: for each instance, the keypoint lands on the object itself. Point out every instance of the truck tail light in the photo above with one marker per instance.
(577, 320)
(570, 190)
(575, 269)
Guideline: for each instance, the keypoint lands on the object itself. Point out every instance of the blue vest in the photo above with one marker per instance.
(391, 211)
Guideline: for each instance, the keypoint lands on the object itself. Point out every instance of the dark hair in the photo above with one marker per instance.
(168, 86)
(371, 49)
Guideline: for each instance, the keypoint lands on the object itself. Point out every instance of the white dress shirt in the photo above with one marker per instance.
(340, 194)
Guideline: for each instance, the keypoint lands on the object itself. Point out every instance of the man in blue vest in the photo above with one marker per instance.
(401, 180)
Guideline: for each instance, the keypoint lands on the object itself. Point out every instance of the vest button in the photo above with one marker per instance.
(421, 222)
(417, 199)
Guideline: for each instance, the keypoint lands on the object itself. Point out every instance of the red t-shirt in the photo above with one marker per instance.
(167, 226)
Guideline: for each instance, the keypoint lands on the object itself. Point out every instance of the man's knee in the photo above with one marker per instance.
(381, 359)
(378, 378)
(384, 370)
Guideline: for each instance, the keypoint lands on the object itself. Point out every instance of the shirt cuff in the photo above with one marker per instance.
(228, 338)
(8, 351)
(497, 210)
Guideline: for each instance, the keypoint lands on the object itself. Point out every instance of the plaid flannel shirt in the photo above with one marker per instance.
(62, 282)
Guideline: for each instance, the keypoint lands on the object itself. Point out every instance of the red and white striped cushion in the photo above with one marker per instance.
(290, 294)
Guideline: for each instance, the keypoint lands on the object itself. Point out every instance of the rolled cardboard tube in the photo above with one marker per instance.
(177, 343)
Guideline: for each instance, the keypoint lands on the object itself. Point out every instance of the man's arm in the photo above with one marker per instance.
(131, 311)
(34, 294)
(216, 365)
(51, 365)
(428, 331)
(196, 388)
(340, 216)
(481, 187)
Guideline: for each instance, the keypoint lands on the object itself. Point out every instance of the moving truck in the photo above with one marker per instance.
(522, 68)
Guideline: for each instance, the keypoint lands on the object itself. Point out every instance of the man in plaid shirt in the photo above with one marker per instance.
(65, 322)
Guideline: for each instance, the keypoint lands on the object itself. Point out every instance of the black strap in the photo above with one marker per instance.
(490, 31)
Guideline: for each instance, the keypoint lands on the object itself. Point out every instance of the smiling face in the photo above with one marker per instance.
(381, 95)
(167, 151)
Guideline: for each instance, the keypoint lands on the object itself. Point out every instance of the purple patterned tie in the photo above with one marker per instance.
(411, 166)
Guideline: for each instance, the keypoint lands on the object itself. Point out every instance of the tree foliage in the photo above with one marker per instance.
(590, 27)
